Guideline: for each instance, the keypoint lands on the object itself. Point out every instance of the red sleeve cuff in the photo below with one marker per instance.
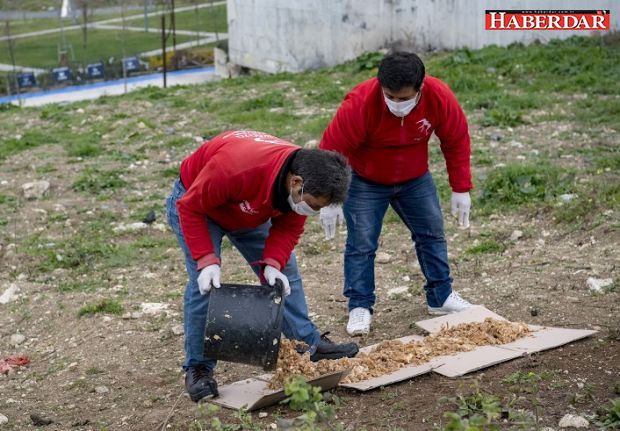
(208, 259)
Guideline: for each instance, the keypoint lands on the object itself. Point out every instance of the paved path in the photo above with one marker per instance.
(110, 88)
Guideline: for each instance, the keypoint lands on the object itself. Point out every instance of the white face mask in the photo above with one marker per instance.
(301, 207)
(402, 109)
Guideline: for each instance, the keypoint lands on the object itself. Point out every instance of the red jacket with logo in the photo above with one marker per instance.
(230, 180)
(387, 149)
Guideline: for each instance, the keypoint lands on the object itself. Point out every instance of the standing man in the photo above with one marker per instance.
(257, 190)
(383, 127)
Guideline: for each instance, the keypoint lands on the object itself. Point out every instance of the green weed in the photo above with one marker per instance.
(103, 306)
(95, 181)
(486, 246)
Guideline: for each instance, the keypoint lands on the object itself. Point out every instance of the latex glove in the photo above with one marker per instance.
(271, 275)
(210, 275)
(330, 215)
(461, 203)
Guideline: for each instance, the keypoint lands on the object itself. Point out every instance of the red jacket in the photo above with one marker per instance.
(386, 149)
(230, 180)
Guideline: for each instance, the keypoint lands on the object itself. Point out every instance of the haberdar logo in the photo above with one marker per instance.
(547, 20)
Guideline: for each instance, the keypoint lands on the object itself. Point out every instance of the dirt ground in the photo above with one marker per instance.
(109, 372)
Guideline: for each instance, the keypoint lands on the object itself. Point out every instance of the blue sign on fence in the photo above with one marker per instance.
(95, 70)
(131, 64)
(26, 79)
(61, 74)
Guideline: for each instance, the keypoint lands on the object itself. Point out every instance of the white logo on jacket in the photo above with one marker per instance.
(247, 208)
(424, 125)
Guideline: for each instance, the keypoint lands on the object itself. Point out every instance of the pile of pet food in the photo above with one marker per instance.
(390, 356)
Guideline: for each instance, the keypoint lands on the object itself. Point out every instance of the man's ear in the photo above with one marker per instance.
(296, 181)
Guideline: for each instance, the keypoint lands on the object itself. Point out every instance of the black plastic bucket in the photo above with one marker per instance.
(244, 324)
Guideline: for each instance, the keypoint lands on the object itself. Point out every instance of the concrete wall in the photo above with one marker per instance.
(295, 35)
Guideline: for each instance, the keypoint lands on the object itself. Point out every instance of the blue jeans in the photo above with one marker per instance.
(250, 242)
(417, 205)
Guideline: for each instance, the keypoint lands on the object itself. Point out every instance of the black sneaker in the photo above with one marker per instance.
(327, 349)
(200, 383)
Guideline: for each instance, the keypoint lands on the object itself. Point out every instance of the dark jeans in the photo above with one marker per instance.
(417, 205)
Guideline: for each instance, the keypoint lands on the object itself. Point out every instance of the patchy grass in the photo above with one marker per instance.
(104, 306)
(520, 184)
(94, 181)
(486, 246)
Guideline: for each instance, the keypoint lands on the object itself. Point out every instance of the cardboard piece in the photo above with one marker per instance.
(254, 394)
(477, 359)
(547, 338)
(469, 315)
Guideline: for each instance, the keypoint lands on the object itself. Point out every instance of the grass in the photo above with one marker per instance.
(42, 51)
(486, 246)
(521, 184)
(94, 181)
(204, 19)
(104, 306)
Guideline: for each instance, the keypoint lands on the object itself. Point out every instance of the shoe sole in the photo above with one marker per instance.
(358, 333)
(199, 396)
(438, 313)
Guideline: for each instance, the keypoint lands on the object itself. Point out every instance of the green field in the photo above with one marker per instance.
(42, 51)
(205, 19)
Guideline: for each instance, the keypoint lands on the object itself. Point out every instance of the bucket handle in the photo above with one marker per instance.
(279, 289)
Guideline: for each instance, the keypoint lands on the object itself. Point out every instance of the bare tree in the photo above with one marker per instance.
(83, 4)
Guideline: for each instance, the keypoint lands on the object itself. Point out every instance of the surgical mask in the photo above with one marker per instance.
(402, 109)
(301, 207)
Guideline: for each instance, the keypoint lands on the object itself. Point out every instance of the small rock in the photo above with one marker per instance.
(153, 307)
(567, 197)
(131, 227)
(177, 329)
(597, 285)
(169, 130)
(72, 365)
(3, 419)
(516, 234)
(17, 339)
(573, 421)
(262, 415)
(495, 136)
(383, 257)
(150, 217)
(136, 315)
(35, 189)
(40, 421)
(396, 291)
(8, 294)
(102, 389)
(534, 311)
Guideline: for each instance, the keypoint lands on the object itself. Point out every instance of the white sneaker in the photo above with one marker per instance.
(359, 321)
(453, 304)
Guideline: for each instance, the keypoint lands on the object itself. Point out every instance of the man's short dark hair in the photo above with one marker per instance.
(325, 173)
(401, 69)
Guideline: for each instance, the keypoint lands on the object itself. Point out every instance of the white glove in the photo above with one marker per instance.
(329, 216)
(210, 275)
(272, 274)
(461, 203)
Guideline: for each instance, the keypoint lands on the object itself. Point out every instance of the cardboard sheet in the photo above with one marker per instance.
(254, 394)
(467, 362)
(473, 314)
(548, 338)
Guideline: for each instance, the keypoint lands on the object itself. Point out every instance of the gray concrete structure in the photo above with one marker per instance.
(296, 35)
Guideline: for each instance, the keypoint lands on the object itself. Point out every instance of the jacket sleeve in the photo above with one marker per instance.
(453, 134)
(347, 130)
(210, 189)
(283, 236)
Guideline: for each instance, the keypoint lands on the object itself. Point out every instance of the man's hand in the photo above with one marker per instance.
(271, 275)
(210, 275)
(461, 203)
(330, 215)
